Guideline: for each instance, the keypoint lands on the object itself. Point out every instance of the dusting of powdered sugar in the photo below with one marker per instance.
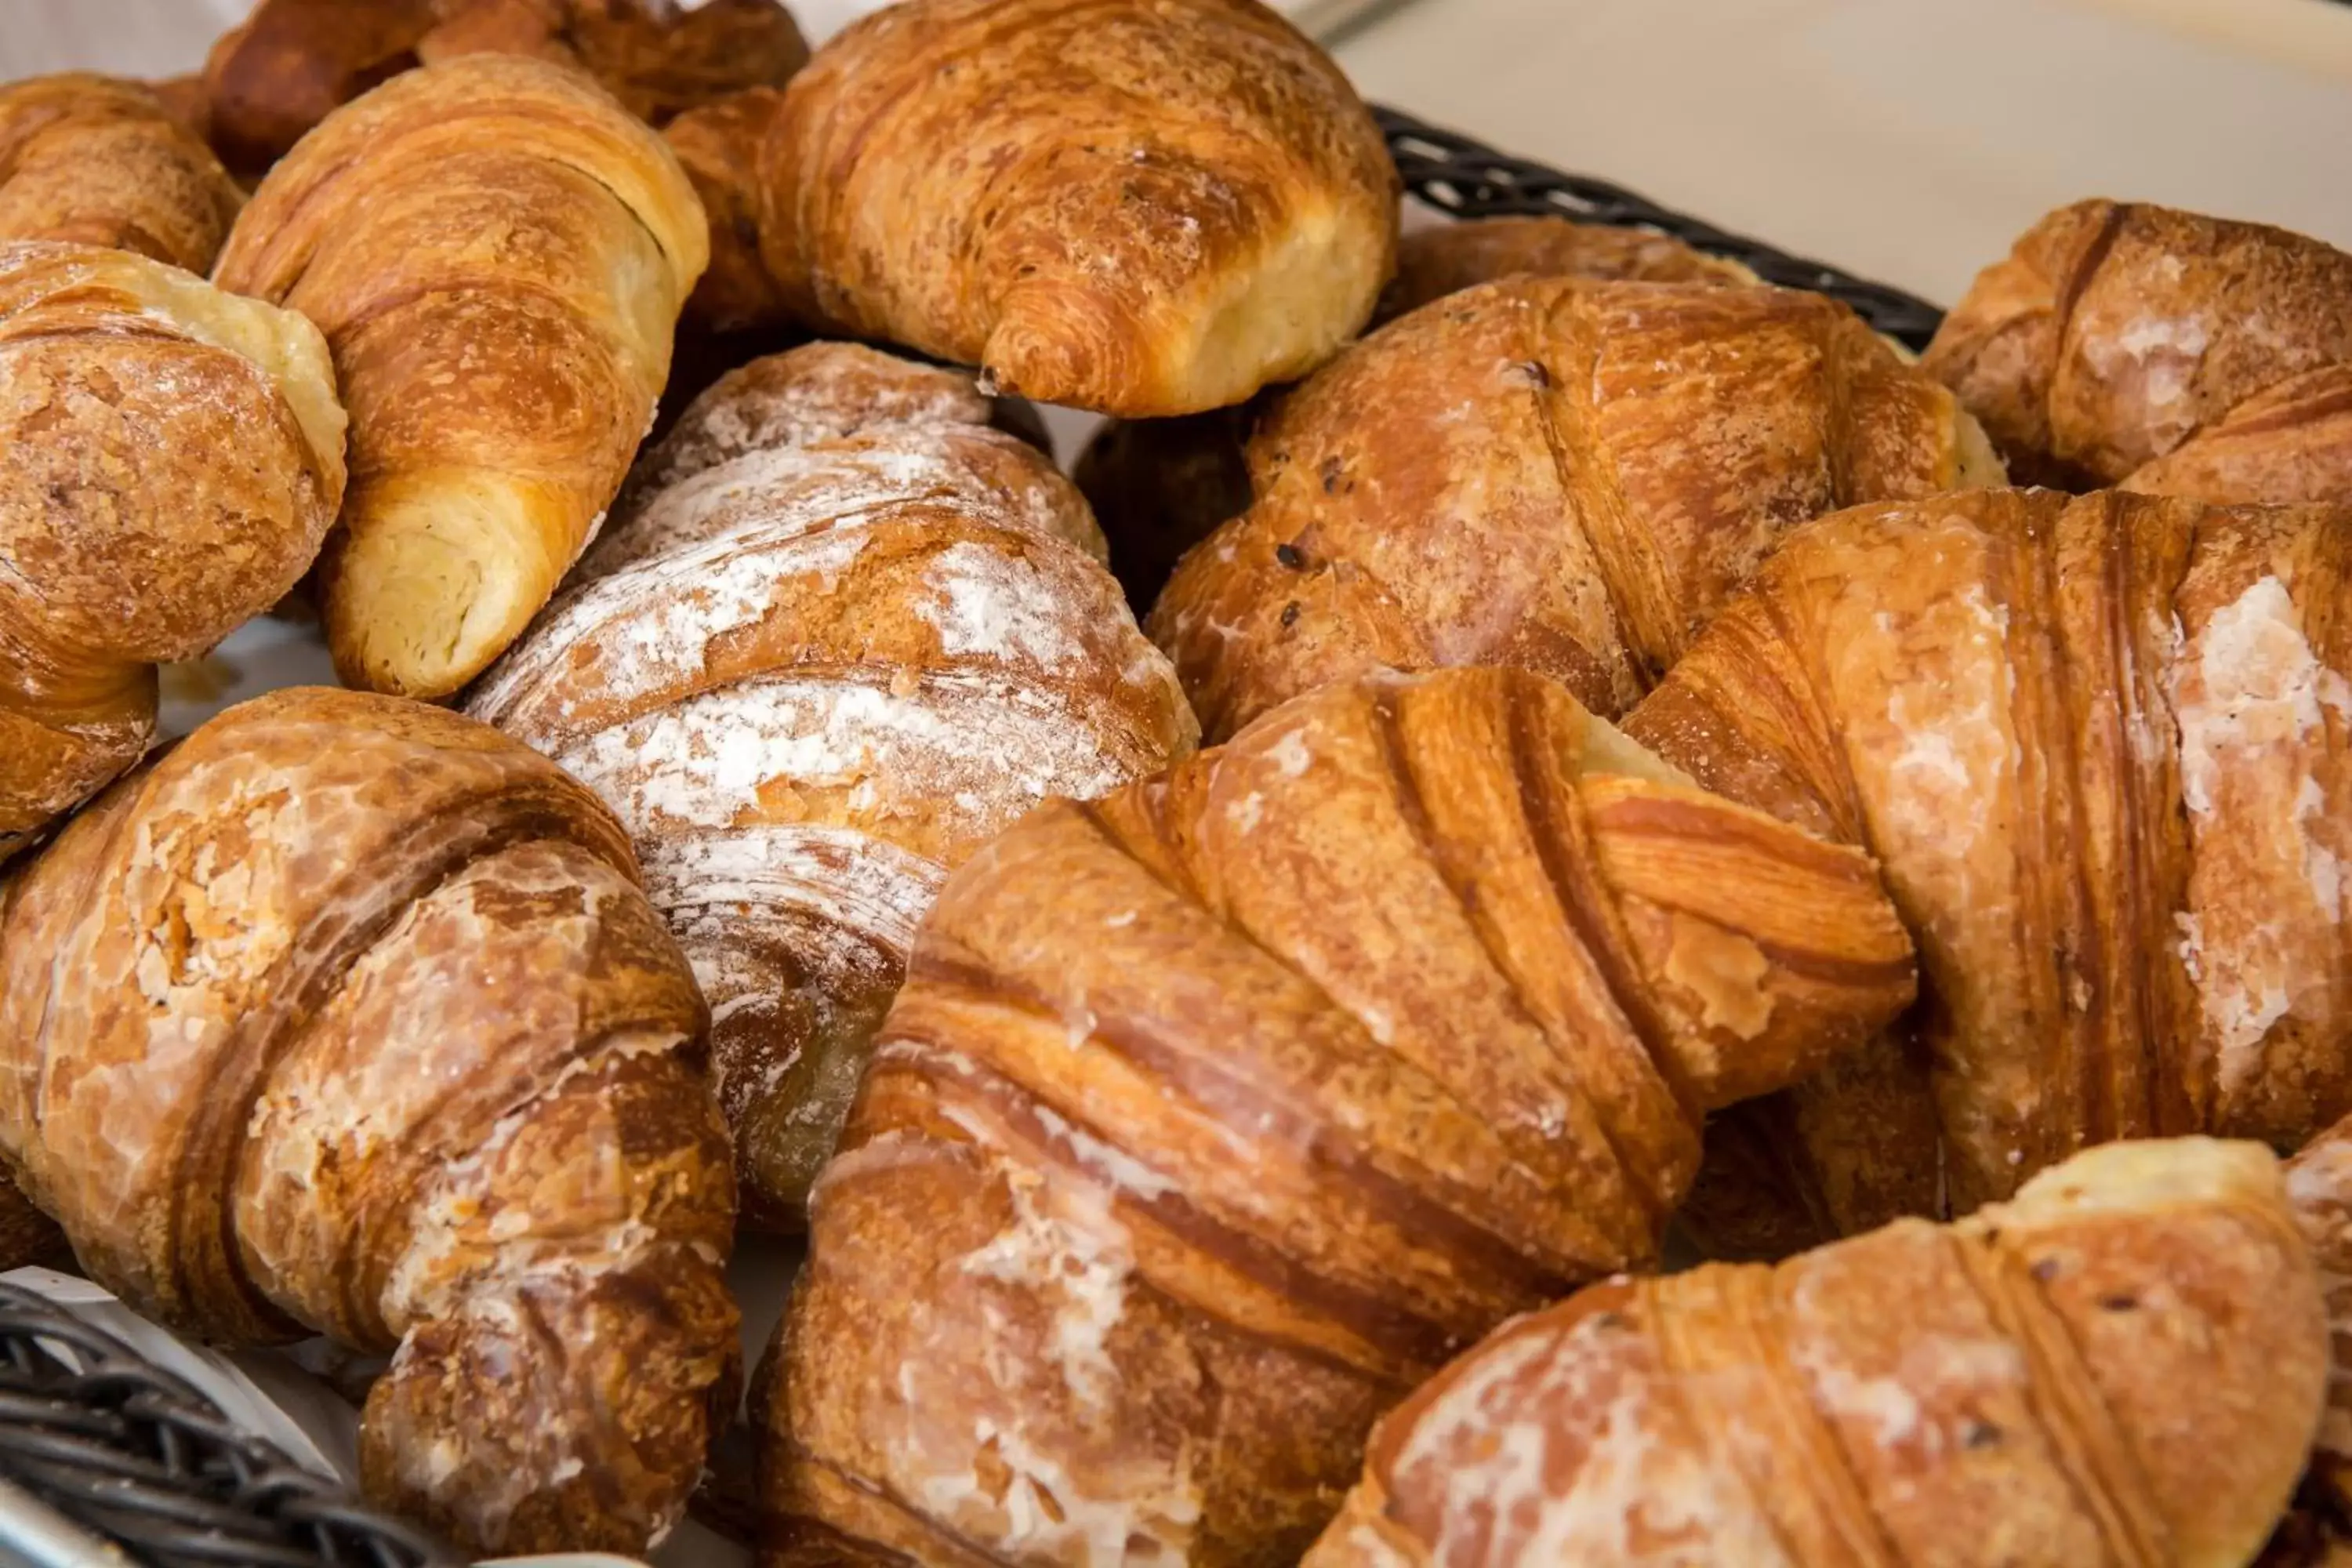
(2251, 699)
(1009, 744)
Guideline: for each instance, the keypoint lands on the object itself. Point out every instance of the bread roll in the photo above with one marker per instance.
(93, 161)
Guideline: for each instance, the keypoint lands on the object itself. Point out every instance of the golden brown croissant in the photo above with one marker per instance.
(348, 1016)
(718, 146)
(293, 62)
(94, 161)
(1564, 476)
(2124, 1365)
(840, 633)
(1215, 1115)
(173, 456)
(2100, 747)
(496, 254)
(1158, 487)
(1139, 206)
(2127, 344)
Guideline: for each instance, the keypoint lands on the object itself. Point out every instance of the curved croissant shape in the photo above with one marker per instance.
(173, 456)
(2123, 1365)
(1216, 1115)
(497, 390)
(1158, 487)
(2103, 748)
(93, 161)
(840, 634)
(348, 1017)
(1143, 206)
(2127, 344)
(1563, 476)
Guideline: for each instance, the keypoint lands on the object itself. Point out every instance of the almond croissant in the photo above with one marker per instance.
(496, 254)
(173, 456)
(1213, 1116)
(840, 635)
(348, 1017)
(2121, 1366)
(2103, 748)
(2135, 345)
(1139, 206)
(100, 162)
(1561, 475)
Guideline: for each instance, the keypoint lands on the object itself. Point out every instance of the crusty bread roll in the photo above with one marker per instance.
(1563, 475)
(2125, 1365)
(841, 633)
(1215, 1115)
(496, 253)
(173, 455)
(1143, 206)
(2121, 343)
(93, 161)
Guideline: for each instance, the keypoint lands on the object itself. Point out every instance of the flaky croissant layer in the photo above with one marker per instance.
(348, 1016)
(1215, 1115)
(2123, 1365)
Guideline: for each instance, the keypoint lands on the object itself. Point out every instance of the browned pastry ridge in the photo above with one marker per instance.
(94, 161)
(2100, 747)
(293, 62)
(2123, 1365)
(1139, 206)
(172, 456)
(718, 146)
(2126, 344)
(1158, 487)
(2319, 1185)
(496, 254)
(1559, 474)
(1216, 1115)
(840, 633)
(348, 1016)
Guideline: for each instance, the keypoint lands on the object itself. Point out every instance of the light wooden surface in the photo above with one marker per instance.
(1907, 140)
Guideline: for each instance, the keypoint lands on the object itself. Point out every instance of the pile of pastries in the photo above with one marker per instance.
(1517, 740)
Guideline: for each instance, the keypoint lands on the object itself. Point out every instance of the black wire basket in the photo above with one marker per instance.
(1468, 180)
(136, 1457)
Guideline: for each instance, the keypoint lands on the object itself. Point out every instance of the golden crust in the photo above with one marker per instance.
(174, 458)
(1144, 208)
(1235, 1103)
(348, 1016)
(717, 144)
(2103, 748)
(93, 161)
(1563, 476)
(1435, 262)
(2123, 1365)
(2128, 344)
(497, 255)
(840, 633)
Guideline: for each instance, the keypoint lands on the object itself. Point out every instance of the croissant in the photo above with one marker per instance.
(1143, 206)
(1564, 476)
(2125, 1365)
(497, 255)
(840, 633)
(1158, 487)
(100, 162)
(718, 145)
(348, 1017)
(1215, 1115)
(2161, 351)
(2100, 747)
(293, 62)
(173, 457)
